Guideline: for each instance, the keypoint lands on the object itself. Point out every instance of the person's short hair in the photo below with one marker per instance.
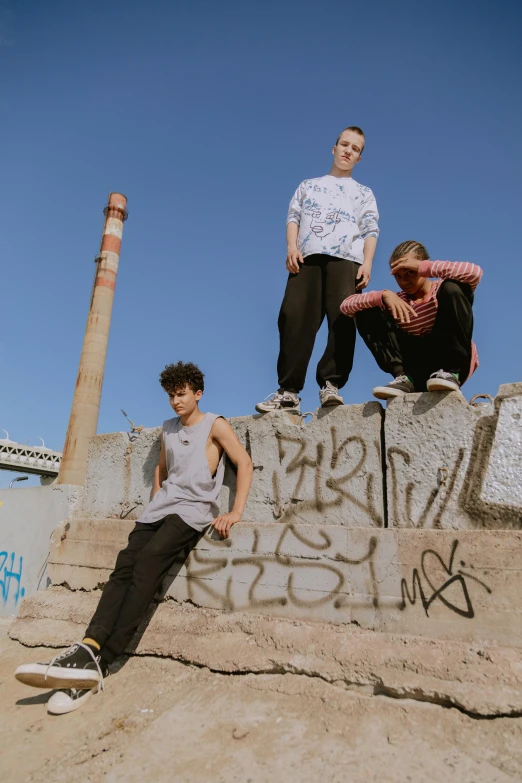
(176, 376)
(355, 129)
(410, 246)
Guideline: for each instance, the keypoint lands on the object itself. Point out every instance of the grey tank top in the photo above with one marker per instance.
(189, 490)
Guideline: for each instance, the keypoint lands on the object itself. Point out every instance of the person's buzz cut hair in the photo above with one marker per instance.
(355, 129)
(177, 376)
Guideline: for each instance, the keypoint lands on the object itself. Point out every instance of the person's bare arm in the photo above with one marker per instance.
(223, 433)
(365, 270)
(293, 255)
(160, 472)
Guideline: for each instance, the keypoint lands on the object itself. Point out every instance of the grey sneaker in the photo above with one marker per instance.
(443, 381)
(280, 400)
(329, 395)
(396, 388)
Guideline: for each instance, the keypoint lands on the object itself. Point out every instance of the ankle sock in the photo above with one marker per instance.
(92, 643)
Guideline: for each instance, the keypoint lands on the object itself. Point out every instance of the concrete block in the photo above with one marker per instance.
(503, 480)
(329, 469)
(27, 519)
(433, 463)
(120, 473)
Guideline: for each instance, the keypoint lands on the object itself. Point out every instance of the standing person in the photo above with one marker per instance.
(331, 234)
(187, 482)
(422, 335)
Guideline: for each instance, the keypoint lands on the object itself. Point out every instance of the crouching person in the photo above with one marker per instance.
(422, 334)
(187, 482)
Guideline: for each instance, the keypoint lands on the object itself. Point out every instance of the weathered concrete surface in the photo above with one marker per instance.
(503, 481)
(160, 720)
(27, 519)
(438, 453)
(329, 469)
(479, 678)
(444, 584)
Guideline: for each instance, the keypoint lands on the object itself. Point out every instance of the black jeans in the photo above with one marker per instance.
(140, 569)
(446, 347)
(318, 289)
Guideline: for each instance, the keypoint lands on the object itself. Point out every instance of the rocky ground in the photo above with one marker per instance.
(163, 720)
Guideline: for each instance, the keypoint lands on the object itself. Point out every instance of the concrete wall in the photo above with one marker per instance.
(447, 465)
(407, 519)
(27, 520)
(447, 584)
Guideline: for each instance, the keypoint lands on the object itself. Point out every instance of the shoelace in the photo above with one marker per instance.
(271, 396)
(331, 388)
(401, 379)
(72, 649)
(443, 374)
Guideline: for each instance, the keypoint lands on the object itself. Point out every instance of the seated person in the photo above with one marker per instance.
(422, 335)
(187, 482)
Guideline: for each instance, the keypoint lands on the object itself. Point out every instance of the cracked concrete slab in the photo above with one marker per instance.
(480, 679)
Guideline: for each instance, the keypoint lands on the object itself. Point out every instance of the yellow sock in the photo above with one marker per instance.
(92, 642)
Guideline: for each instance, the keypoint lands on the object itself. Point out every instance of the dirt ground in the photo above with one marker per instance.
(161, 720)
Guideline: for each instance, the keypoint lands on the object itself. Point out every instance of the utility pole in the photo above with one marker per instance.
(83, 420)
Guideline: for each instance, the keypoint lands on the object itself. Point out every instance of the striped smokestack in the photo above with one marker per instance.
(83, 420)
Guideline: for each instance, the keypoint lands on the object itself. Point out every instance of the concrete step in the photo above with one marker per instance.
(480, 679)
(445, 584)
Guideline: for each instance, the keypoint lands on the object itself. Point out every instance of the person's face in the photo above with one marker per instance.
(183, 401)
(347, 152)
(409, 280)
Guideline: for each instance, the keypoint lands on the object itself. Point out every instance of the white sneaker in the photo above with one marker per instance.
(329, 395)
(442, 381)
(62, 702)
(280, 400)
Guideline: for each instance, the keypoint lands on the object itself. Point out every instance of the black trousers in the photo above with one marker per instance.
(447, 347)
(318, 289)
(140, 569)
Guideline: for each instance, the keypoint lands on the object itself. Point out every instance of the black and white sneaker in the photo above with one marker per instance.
(329, 395)
(76, 667)
(69, 700)
(280, 400)
(443, 381)
(396, 388)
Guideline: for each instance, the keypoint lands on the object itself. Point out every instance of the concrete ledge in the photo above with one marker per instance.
(453, 585)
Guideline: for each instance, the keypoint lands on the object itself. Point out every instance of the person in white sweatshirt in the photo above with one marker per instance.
(332, 231)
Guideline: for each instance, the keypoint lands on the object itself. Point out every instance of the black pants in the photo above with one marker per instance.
(140, 569)
(318, 289)
(447, 347)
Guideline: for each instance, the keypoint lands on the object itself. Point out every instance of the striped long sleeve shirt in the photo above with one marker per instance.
(426, 309)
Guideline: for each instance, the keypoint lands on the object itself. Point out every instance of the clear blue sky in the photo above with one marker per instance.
(207, 114)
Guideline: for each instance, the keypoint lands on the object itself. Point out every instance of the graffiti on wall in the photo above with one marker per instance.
(303, 569)
(323, 474)
(426, 586)
(11, 568)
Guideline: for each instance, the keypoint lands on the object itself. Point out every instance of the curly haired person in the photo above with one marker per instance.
(423, 334)
(187, 482)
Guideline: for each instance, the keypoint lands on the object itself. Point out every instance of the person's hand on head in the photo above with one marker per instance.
(400, 310)
(294, 257)
(410, 264)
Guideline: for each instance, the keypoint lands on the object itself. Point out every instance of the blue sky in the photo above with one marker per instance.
(207, 115)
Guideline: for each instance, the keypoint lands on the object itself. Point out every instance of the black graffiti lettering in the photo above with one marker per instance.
(439, 592)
